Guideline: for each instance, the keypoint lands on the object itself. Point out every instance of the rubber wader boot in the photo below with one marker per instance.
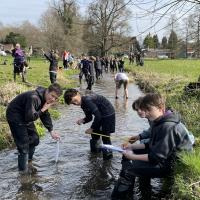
(123, 189)
(23, 162)
(107, 154)
(95, 146)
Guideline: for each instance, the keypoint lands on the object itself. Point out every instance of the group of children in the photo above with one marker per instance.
(154, 157)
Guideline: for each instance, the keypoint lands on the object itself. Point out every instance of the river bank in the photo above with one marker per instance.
(37, 75)
(169, 77)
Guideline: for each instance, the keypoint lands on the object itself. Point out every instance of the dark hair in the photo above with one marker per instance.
(55, 87)
(136, 103)
(69, 94)
(152, 99)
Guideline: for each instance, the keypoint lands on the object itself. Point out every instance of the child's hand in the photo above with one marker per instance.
(89, 131)
(126, 146)
(46, 106)
(80, 121)
(133, 139)
(128, 154)
(55, 135)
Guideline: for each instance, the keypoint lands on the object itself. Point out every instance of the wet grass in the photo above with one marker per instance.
(170, 77)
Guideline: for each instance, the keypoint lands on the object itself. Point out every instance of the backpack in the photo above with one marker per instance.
(184, 138)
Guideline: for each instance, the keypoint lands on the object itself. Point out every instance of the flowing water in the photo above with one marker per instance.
(78, 174)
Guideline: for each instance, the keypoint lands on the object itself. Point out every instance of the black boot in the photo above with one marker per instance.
(23, 162)
(145, 188)
(95, 146)
(123, 190)
(107, 154)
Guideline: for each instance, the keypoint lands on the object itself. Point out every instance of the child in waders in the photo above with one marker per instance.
(121, 78)
(21, 113)
(156, 158)
(104, 117)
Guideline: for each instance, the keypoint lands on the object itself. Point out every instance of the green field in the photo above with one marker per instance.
(37, 74)
(190, 69)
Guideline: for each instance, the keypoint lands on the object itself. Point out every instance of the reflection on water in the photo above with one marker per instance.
(78, 174)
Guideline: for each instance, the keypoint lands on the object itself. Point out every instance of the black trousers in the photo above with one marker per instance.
(107, 126)
(25, 138)
(132, 169)
(53, 76)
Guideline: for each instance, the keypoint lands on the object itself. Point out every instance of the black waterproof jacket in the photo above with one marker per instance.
(53, 62)
(164, 139)
(98, 106)
(26, 108)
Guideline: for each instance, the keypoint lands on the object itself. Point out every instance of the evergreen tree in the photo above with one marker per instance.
(173, 41)
(148, 41)
(156, 41)
(164, 42)
(14, 38)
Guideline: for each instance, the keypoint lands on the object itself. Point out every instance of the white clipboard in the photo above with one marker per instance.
(111, 147)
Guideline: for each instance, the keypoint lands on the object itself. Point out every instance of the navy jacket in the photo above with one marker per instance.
(53, 62)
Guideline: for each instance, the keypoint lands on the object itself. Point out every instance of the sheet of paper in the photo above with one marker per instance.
(111, 147)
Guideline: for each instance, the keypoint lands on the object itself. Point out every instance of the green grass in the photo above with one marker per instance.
(170, 77)
(189, 69)
(38, 74)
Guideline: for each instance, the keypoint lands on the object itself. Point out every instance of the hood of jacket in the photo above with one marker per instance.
(41, 93)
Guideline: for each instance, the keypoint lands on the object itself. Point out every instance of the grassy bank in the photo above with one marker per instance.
(170, 77)
(37, 75)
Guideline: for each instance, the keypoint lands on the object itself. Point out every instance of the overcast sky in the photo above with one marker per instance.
(14, 12)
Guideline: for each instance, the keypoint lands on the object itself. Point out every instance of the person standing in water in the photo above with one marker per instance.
(121, 78)
(104, 117)
(21, 113)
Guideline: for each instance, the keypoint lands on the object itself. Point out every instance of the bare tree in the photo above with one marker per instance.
(107, 23)
(67, 11)
(52, 31)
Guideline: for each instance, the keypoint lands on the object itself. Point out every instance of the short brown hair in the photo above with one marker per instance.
(136, 103)
(55, 87)
(69, 94)
(152, 99)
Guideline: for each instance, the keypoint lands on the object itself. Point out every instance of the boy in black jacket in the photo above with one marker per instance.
(156, 158)
(104, 117)
(21, 113)
(52, 57)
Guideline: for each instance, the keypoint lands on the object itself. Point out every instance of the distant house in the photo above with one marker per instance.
(159, 53)
(191, 52)
(6, 47)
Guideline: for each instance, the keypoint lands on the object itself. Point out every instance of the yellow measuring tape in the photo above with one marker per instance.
(113, 137)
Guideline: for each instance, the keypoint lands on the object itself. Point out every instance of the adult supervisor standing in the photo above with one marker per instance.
(21, 113)
(121, 78)
(104, 117)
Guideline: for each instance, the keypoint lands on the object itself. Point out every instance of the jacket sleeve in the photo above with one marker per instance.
(88, 117)
(164, 146)
(145, 134)
(32, 111)
(97, 119)
(47, 57)
(46, 120)
(92, 109)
